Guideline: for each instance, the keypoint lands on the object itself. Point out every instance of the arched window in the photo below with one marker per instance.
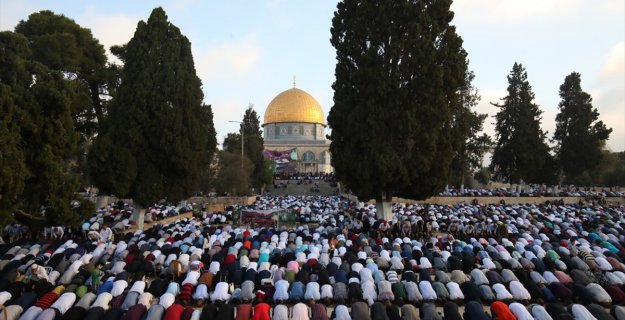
(323, 157)
(308, 156)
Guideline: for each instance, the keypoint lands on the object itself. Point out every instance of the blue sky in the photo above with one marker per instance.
(248, 51)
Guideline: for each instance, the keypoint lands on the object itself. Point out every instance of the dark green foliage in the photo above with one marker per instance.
(232, 142)
(12, 166)
(269, 169)
(262, 171)
(478, 147)
(400, 67)
(13, 171)
(469, 123)
(254, 146)
(37, 101)
(482, 176)
(62, 45)
(548, 172)
(520, 152)
(52, 144)
(254, 149)
(231, 178)
(579, 136)
(120, 52)
(159, 136)
(208, 176)
(615, 176)
(609, 172)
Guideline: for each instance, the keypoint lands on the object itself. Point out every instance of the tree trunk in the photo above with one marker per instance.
(101, 201)
(383, 208)
(139, 216)
(97, 103)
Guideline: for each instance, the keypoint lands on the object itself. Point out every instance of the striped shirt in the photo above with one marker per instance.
(47, 300)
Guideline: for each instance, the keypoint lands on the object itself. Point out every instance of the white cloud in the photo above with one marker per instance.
(229, 62)
(615, 7)
(615, 119)
(610, 102)
(615, 62)
(510, 11)
(116, 29)
(108, 29)
(608, 92)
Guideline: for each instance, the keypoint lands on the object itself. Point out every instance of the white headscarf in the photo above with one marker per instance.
(540, 313)
(520, 312)
(280, 312)
(580, 312)
(501, 292)
(341, 313)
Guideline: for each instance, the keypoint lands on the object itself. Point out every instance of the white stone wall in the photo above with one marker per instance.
(294, 131)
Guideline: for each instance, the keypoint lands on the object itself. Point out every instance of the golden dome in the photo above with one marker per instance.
(294, 105)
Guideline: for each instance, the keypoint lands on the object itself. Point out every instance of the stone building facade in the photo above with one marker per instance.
(294, 121)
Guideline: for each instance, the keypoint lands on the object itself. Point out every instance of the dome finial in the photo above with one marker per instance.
(293, 81)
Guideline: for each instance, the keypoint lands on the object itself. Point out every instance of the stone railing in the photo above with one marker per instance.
(167, 220)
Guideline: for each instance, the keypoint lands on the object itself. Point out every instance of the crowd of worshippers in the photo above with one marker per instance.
(551, 262)
(530, 192)
(115, 218)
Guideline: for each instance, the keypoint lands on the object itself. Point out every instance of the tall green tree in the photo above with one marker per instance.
(261, 175)
(63, 45)
(521, 152)
(262, 172)
(400, 67)
(232, 142)
(232, 177)
(611, 170)
(159, 136)
(234, 174)
(579, 136)
(469, 124)
(12, 163)
(38, 104)
(13, 169)
(254, 146)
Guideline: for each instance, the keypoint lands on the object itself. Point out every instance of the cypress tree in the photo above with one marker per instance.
(520, 151)
(159, 136)
(400, 67)
(579, 136)
(261, 175)
(38, 104)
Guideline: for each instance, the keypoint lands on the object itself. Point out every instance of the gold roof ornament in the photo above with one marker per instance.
(294, 105)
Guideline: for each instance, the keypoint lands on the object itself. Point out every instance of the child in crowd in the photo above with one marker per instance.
(96, 277)
(261, 309)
